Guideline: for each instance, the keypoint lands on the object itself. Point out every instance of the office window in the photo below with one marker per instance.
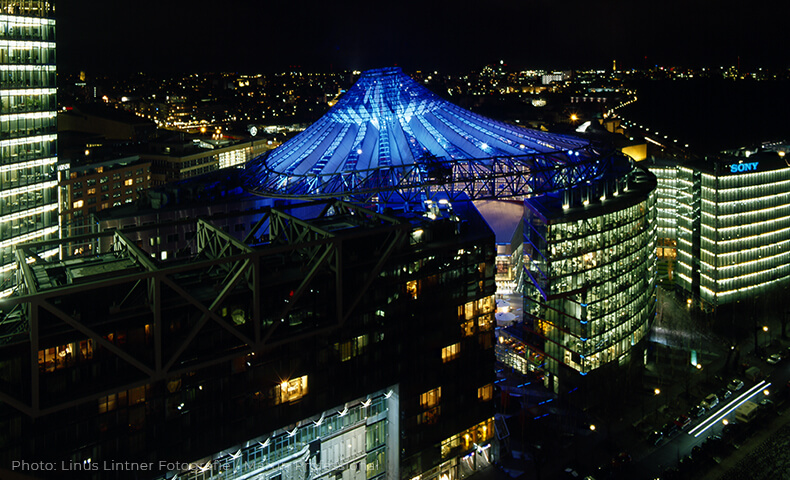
(429, 401)
(485, 393)
(451, 352)
(468, 328)
(431, 398)
(290, 390)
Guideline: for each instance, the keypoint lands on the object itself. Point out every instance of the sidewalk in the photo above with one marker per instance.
(751, 445)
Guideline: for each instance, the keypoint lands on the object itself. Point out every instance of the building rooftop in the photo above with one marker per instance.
(625, 184)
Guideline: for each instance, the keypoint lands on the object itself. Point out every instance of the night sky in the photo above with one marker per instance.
(102, 36)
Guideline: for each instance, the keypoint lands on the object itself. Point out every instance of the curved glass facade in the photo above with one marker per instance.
(592, 270)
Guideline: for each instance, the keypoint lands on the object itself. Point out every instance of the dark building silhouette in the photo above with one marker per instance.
(319, 340)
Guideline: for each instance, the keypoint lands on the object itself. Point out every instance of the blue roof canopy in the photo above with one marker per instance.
(386, 123)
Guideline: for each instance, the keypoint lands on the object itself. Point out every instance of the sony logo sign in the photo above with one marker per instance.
(743, 167)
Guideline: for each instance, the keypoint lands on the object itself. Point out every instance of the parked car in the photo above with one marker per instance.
(724, 393)
(670, 430)
(774, 359)
(655, 438)
(753, 374)
(735, 385)
(683, 421)
(710, 402)
(697, 411)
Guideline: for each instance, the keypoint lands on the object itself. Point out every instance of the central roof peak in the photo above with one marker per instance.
(384, 96)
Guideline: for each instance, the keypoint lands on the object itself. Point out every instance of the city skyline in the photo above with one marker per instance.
(201, 36)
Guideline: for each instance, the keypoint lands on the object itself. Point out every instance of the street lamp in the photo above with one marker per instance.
(592, 427)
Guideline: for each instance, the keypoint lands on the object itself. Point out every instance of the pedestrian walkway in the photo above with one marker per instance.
(747, 457)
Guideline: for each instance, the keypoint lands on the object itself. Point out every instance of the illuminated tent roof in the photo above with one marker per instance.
(388, 120)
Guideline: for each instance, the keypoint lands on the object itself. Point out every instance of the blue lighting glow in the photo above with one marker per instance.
(388, 119)
(743, 167)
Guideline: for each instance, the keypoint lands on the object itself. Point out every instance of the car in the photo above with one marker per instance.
(735, 385)
(697, 411)
(766, 403)
(696, 452)
(682, 421)
(710, 402)
(655, 438)
(711, 442)
(774, 359)
(725, 393)
(670, 430)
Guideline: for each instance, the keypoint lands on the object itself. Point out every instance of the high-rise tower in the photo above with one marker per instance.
(28, 130)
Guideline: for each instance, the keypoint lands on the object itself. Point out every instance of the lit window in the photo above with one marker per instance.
(412, 289)
(451, 352)
(78, 204)
(128, 182)
(107, 403)
(290, 390)
(485, 322)
(468, 328)
(431, 398)
(352, 348)
(92, 191)
(485, 393)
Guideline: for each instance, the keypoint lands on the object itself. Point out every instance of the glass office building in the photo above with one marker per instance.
(666, 218)
(590, 259)
(28, 131)
(733, 227)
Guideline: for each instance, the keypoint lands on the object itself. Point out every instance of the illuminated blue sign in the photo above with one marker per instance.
(743, 167)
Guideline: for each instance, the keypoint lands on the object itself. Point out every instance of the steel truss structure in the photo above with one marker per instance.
(506, 177)
(282, 263)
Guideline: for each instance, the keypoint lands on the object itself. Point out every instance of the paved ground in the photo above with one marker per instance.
(766, 456)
